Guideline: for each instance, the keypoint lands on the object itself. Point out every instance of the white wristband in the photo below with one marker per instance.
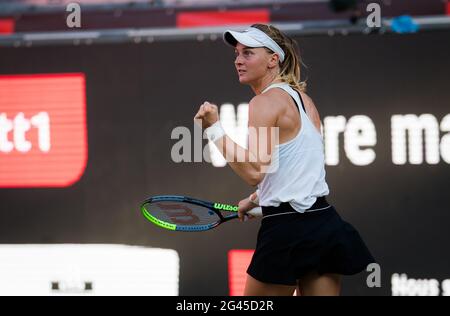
(215, 131)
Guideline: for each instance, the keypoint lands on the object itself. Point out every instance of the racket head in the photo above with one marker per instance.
(182, 213)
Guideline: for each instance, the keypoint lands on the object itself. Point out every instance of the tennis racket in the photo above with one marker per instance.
(182, 213)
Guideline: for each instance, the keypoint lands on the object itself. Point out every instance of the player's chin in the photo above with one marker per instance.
(243, 79)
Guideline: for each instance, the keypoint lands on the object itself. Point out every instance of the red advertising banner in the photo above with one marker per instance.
(214, 18)
(238, 261)
(43, 133)
(6, 26)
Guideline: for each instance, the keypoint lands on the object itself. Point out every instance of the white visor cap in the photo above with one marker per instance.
(253, 37)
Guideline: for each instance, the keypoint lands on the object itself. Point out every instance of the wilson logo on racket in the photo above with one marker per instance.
(225, 207)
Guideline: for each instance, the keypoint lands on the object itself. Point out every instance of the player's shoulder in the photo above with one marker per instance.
(263, 110)
(269, 100)
(260, 100)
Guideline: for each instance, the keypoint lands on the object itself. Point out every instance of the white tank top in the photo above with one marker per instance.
(300, 174)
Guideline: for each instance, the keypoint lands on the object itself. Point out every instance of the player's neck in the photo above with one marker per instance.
(259, 86)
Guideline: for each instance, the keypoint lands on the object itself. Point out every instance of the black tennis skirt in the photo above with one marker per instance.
(292, 244)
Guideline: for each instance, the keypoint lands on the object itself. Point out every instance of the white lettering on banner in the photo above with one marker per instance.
(42, 122)
(357, 136)
(401, 285)
(446, 287)
(19, 126)
(445, 140)
(5, 127)
(334, 126)
(359, 131)
(415, 126)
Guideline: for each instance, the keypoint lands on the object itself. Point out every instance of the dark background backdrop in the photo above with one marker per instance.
(137, 93)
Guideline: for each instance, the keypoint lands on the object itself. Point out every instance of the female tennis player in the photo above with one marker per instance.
(303, 244)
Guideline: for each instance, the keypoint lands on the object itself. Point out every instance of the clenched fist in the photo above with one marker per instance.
(208, 114)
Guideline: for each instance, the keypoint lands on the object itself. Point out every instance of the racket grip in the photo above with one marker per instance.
(257, 212)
